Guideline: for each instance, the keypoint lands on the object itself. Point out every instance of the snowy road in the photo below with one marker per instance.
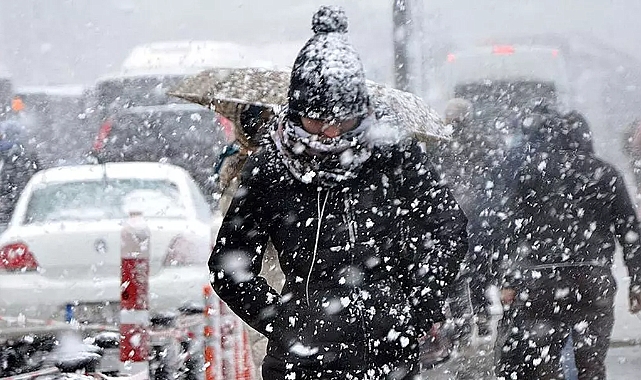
(623, 363)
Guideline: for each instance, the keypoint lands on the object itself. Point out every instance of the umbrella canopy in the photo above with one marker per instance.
(232, 91)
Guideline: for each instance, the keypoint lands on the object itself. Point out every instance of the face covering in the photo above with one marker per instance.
(321, 160)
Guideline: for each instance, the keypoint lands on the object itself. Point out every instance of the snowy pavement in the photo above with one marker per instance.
(627, 327)
(624, 356)
(623, 363)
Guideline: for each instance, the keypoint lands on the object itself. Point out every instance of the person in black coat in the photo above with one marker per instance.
(367, 236)
(568, 209)
(17, 165)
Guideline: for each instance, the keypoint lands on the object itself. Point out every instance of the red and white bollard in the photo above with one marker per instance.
(248, 369)
(134, 296)
(228, 323)
(213, 350)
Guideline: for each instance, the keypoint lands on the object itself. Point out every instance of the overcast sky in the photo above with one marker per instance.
(63, 41)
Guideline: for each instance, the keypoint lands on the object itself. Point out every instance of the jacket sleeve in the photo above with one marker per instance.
(237, 257)
(437, 235)
(626, 227)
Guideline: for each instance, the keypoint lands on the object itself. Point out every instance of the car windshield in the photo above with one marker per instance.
(55, 126)
(506, 93)
(104, 199)
(533, 66)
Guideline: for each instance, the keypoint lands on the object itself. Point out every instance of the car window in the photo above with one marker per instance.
(56, 127)
(107, 199)
(507, 93)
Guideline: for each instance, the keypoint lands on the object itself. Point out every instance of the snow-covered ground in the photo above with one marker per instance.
(624, 356)
(627, 327)
(623, 363)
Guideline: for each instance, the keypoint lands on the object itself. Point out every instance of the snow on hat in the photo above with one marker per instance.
(328, 79)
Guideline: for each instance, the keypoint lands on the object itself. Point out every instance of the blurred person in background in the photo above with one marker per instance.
(566, 211)
(17, 165)
(466, 161)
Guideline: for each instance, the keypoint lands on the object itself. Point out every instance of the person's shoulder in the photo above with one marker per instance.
(603, 169)
(410, 158)
(264, 164)
(397, 153)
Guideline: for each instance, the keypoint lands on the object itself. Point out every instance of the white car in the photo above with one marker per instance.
(62, 245)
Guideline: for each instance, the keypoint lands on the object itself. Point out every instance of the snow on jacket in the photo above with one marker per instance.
(365, 262)
(569, 208)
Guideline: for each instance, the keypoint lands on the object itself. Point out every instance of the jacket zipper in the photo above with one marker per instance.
(349, 216)
(358, 297)
(321, 212)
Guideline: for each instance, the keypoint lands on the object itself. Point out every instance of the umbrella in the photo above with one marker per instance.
(408, 111)
(230, 92)
(233, 91)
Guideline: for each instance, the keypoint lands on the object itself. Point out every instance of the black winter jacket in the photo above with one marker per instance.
(568, 208)
(365, 262)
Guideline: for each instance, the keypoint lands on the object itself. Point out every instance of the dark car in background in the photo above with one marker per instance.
(55, 121)
(134, 119)
(186, 135)
(111, 94)
(501, 79)
(506, 63)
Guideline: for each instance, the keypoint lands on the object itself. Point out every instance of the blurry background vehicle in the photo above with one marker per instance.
(137, 121)
(62, 244)
(113, 93)
(187, 135)
(6, 91)
(149, 70)
(55, 122)
(514, 63)
(500, 80)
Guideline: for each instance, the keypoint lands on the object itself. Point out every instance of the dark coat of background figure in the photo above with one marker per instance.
(567, 211)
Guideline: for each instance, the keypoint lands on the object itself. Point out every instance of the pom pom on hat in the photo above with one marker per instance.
(328, 79)
(329, 19)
